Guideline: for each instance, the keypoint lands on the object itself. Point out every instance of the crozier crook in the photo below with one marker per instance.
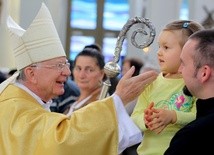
(112, 69)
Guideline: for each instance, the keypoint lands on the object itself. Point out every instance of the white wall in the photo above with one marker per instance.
(57, 8)
(196, 9)
(6, 56)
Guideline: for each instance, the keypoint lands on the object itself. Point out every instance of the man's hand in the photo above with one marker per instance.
(130, 87)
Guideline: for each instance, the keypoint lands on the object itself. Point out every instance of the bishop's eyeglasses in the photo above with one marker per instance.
(59, 66)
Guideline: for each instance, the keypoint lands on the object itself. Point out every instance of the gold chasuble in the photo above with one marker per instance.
(27, 129)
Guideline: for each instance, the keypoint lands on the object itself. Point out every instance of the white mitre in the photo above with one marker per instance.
(38, 43)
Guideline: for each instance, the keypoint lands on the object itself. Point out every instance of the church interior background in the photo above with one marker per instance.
(82, 22)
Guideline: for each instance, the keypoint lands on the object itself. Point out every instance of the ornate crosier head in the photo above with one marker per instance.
(111, 68)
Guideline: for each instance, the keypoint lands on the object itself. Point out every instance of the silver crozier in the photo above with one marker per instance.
(112, 69)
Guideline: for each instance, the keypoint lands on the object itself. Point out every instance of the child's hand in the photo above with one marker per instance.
(160, 119)
(148, 114)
